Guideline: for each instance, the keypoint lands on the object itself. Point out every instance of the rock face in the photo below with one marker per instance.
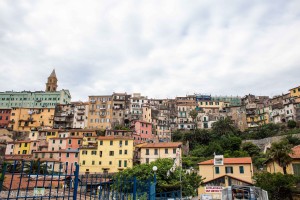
(265, 143)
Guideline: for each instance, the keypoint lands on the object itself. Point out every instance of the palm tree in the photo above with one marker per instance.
(279, 153)
(35, 167)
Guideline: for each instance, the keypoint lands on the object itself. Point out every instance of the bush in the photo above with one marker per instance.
(279, 186)
(291, 124)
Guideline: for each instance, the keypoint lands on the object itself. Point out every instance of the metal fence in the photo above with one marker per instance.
(49, 180)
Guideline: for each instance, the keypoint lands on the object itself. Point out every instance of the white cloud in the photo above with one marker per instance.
(159, 48)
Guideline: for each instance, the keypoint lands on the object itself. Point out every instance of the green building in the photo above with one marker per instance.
(38, 99)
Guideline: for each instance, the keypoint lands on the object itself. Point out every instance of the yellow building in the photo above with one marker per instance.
(262, 116)
(293, 168)
(109, 154)
(222, 172)
(149, 152)
(100, 112)
(21, 147)
(295, 92)
(24, 119)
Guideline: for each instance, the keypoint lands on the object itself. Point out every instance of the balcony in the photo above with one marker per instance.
(102, 108)
(80, 113)
(92, 101)
(81, 108)
(79, 119)
(12, 121)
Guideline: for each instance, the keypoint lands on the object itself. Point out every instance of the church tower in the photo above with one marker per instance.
(51, 85)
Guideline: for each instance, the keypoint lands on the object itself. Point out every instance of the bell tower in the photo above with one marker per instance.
(51, 85)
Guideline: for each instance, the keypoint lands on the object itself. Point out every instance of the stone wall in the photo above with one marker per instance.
(265, 143)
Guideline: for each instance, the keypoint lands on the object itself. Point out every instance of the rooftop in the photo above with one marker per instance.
(244, 160)
(161, 145)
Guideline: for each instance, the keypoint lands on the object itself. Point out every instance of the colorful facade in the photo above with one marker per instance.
(109, 155)
(25, 119)
(221, 172)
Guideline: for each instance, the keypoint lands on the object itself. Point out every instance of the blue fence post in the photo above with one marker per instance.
(134, 188)
(76, 174)
(2, 176)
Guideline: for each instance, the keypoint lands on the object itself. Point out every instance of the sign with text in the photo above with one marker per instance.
(213, 189)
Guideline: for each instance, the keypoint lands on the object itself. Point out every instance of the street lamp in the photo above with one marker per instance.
(154, 168)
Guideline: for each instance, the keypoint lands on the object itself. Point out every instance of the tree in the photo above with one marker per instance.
(164, 182)
(223, 127)
(279, 152)
(120, 127)
(36, 167)
(291, 124)
(251, 148)
(193, 114)
(279, 186)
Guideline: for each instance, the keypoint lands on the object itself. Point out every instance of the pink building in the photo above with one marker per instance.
(142, 131)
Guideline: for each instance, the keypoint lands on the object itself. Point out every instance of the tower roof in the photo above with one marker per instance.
(53, 74)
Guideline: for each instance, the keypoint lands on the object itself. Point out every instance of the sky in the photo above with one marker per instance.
(159, 48)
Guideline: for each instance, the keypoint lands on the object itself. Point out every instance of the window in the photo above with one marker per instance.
(111, 153)
(120, 143)
(125, 152)
(166, 151)
(111, 143)
(51, 155)
(100, 163)
(84, 152)
(125, 163)
(101, 142)
(229, 170)
(217, 170)
(78, 142)
(83, 162)
(174, 150)
(110, 162)
(147, 160)
(94, 152)
(120, 152)
(24, 152)
(126, 142)
(93, 162)
(70, 141)
(100, 153)
(68, 155)
(120, 163)
(155, 151)
(147, 151)
(60, 141)
(241, 169)
(76, 155)
(296, 169)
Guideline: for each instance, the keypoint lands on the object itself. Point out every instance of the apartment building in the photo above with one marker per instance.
(136, 106)
(100, 112)
(25, 119)
(149, 152)
(109, 155)
(81, 111)
(4, 117)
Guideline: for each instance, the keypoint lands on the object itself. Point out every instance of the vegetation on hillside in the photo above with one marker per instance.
(165, 182)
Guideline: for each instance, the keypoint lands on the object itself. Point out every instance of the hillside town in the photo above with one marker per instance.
(109, 133)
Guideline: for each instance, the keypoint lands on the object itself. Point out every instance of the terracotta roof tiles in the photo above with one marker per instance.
(244, 160)
(162, 145)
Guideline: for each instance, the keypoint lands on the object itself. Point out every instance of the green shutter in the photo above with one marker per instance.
(241, 169)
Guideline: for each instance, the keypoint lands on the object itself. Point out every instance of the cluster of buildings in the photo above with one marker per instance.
(109, 133)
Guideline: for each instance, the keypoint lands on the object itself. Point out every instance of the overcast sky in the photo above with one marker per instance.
(159, 48)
